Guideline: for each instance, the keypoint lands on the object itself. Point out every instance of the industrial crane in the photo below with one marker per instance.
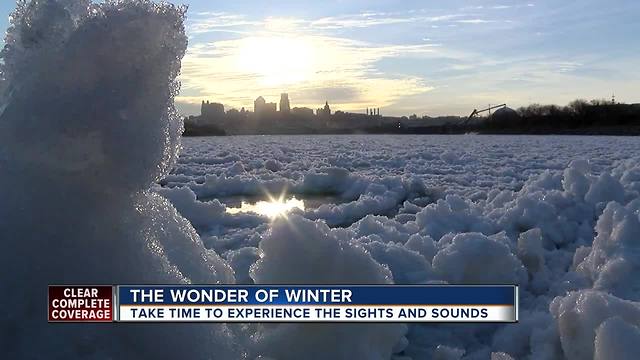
(476, 112)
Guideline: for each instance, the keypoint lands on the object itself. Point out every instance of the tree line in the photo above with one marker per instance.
(577, 115)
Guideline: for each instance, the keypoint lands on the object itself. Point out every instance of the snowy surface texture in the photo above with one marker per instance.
(92, 191)
(557, 215)
(87, 124)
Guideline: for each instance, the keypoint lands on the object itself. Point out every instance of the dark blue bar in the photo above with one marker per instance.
(361, 294)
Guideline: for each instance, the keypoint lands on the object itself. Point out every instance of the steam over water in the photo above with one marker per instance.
(88, 127)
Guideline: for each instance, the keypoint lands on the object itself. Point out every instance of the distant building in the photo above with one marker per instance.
(373, 111)
(302, 111)
(211, 110)
(285, 107)
(505, 114)
(325, 111)
(260, 106)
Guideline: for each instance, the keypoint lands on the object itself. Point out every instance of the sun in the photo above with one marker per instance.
(277, 60)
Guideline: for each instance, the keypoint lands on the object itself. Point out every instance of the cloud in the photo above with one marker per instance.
(375, 19)
(474, 21)
(285, 55)
(343, 93)
(215, 21)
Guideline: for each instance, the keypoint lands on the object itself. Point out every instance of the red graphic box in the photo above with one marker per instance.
(80, 303)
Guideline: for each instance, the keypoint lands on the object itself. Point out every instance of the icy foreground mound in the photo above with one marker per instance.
(87, 124)
(321, 256)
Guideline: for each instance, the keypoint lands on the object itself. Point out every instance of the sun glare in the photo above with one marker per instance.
(277, 60)
(271, 208)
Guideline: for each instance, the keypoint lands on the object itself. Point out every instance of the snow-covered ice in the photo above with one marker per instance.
(96, 188)
(557, 215)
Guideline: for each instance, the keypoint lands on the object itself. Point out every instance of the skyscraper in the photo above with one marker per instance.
(285, 107)
(258, 105)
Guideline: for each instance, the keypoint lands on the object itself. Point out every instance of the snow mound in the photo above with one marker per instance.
(614, 340)
(473, 258)
(77, 167)
(300, 251)
(589, 322)
(613, 264)
(452, 215)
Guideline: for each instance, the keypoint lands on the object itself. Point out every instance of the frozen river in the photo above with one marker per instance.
(343, 171)
(557, 215)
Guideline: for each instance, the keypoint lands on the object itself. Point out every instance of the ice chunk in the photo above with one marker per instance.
(500, 356)
(613, 263)
(530, 250)
(575, 180)
(200, 214)
(454, 215)
(617, 339)
(450, 157)
(273, 165)
(423, 245)
(579, 316)
(474, 258)
(241, 261)
(605, 189)
(408, 267)
(300, 251)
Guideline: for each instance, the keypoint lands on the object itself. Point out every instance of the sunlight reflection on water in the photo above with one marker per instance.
(271, 208)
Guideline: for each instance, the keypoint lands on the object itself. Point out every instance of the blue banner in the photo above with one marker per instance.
(318, 295)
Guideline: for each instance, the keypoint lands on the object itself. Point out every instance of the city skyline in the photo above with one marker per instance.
(260, 104)
(420, 57)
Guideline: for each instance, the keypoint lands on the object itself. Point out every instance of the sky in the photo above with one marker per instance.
(424, 57)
